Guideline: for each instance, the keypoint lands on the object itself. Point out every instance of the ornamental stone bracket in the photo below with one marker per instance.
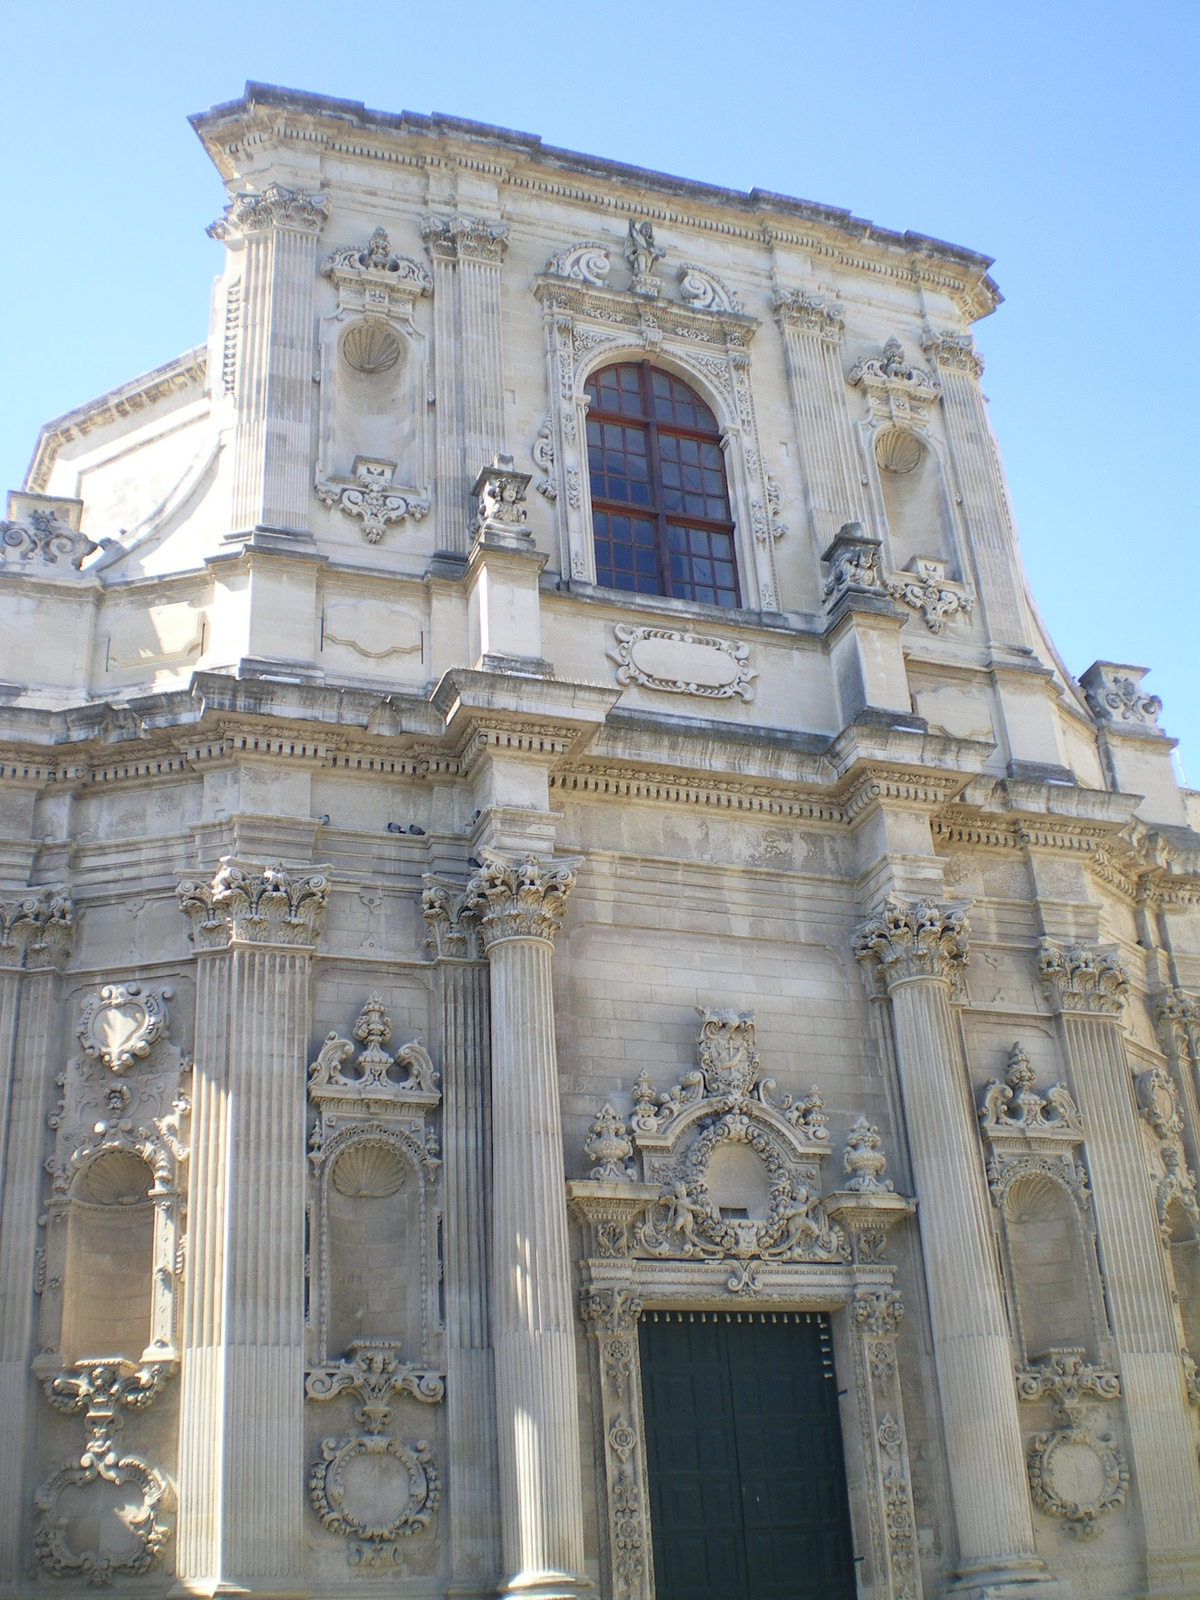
(102, 1390)
(247, 904)
(370, 497)
(1077, 1470)
(924, 587)
(1114, 695)
(710, 1196)
(678, 661)
(853, 560)
(40, 537)
(353, 1478)
(501, 514)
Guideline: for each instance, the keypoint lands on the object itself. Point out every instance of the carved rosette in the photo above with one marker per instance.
(518, 900)
(102, 1390)
(914, 940)
(1079, 979)
(251, 905)
(36, 930)
(276, 207)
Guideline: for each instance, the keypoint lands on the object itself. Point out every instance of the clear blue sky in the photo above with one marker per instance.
(1061, 138)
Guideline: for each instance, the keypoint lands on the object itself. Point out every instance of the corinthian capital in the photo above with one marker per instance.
(522, 900)
(1177, 1019)
(921, 940)
(461, 238)
(1078, 979)
(811, 313)
(953, 352)
(36, 929)
(275, 207)
(252, 905)
(453, 925)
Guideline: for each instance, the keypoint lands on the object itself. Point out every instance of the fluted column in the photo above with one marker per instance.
(980, 486)
(35, 937)
(1087, 989)
(473, 1500)
(241, 1458)
(533, 1326)
(916, 950)
(466, 253)
(812, 335)
(277, 231)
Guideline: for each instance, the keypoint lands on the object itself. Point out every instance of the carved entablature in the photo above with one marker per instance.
(275, 207)
(1081, 980)
(254, 905)
(704, 335)
(1025, 1131)
(36, 929)
(895, 391)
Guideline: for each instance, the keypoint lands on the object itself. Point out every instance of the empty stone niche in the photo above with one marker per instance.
(1184, 1250)
(375, 400)
(914, 498)
(110, 1259)
(739, 1185)
(1048, 1267)
(375, 1232)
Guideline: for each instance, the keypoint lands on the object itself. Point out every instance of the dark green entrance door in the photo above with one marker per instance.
(744, 1453)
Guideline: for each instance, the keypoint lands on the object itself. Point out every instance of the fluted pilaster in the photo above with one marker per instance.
(277, 231)
(916, 950)
(1088, 989)
(35, 936)
(473, 1508)
(466, 253)
(980, 485)
(812, 333)
(241, 1433)
(533, 1328)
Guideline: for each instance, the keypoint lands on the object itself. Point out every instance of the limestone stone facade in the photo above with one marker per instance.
(429, 947)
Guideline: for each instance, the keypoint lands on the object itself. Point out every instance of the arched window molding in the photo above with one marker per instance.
(703, 339)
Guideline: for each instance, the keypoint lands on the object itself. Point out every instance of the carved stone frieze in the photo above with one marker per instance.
(1015, 1106)
(896, 392)
(253, 905)
(677, 661)
(102, 1390)
(120, 1024)
(1079, 979)
(925, 588)
(465, 238)
(914, 940)
(377, 259)
(518, 899)
(36, 929)
(275, 207)
(1066, 1376)
(373, 1078)
(613, 1311)
(370, 498)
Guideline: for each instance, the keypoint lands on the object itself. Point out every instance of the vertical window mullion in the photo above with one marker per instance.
(656, 483)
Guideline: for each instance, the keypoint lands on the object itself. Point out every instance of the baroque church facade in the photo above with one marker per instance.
(586, 1007)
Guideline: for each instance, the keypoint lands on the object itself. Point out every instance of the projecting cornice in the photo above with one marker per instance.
(234, 132)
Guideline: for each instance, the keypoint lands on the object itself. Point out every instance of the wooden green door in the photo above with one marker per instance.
(744, 1454)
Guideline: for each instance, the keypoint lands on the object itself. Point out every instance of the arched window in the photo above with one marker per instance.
(660, 502)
